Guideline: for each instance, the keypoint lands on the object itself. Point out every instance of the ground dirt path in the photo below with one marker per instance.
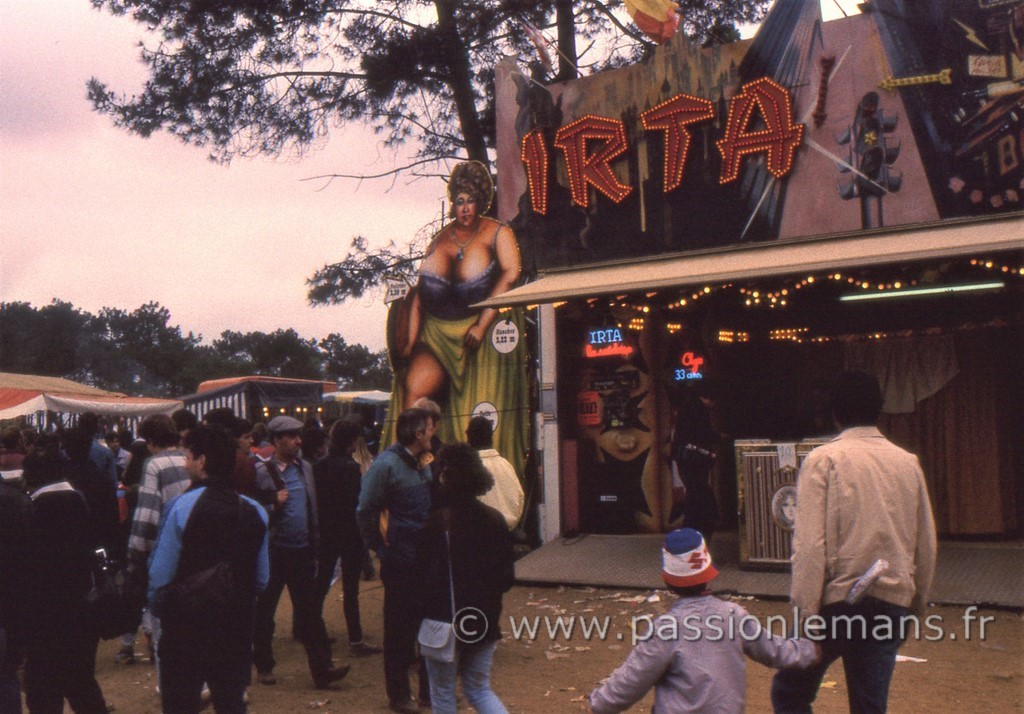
(544, 674)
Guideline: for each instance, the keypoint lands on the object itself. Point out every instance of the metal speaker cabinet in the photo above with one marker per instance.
(766, 473)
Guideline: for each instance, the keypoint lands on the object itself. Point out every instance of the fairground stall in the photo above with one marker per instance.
(761, 216)
(53, 402)
(258, 398)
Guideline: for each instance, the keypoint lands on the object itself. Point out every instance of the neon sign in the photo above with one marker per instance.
(618, 349)
(692, 364)
(606, 343)
(593, 168)
(604, 337)
(590, 143)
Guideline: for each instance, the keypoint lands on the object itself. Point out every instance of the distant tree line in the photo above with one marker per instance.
(140, 352)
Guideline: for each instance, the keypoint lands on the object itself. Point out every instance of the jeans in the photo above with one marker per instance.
(474, 666)
(185, 667)
(402, 595)
(12, 654)
(351, 571)
(868, 662)
(295, 568)
(61, 664)
(10, 691)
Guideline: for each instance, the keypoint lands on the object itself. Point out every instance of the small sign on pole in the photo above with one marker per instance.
(397, 289)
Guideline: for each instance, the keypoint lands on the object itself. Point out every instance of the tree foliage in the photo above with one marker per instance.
(282, 353)
(141, 352)
(354, 366)
(263, 77)
(247, 77)
(361, 271)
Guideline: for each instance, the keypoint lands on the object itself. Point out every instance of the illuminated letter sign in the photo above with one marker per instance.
(693, 363)
(591, 142)
(607, 343)
(779, 139)
(672, 117)
(593, 168)
(605, 337)
(535, 156)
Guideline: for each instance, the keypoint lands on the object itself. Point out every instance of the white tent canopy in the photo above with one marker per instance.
(374, 396)
(24, 394)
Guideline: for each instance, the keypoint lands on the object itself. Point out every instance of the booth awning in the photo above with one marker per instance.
(22, 394)
(374, 396)
(933, 241)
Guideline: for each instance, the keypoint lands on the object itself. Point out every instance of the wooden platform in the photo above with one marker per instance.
(967, 573)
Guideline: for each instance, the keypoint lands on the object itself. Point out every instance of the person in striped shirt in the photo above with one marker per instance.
(163, 477)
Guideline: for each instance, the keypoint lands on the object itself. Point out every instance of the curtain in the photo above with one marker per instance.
(966, 435)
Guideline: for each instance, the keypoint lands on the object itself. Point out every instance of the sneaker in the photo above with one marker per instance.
(267, 678)
(406, 707)
(334, 674)
(363, 648)
(125, 655)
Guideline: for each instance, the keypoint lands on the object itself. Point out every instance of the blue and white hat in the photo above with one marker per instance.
(685, 560)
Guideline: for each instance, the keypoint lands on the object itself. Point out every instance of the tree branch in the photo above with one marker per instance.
(615, 21)
(392, 172)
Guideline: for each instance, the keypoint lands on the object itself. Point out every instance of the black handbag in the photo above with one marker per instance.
(206, 596)
(106, 605)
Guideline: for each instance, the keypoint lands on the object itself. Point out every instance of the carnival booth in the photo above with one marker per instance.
(743, 222)
(51, 401)
(258, 398)
(370, 405)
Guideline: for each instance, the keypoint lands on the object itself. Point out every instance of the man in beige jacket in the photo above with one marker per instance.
(506, 496)
(860, 499)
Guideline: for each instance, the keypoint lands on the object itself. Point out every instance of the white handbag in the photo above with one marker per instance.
(436, 637)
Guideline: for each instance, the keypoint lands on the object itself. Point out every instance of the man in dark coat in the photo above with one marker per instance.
(284, 482)
(61, 643)
(15, 512)
(208, 527)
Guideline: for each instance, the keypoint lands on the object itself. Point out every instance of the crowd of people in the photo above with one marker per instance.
(208, 522)
(213, 520)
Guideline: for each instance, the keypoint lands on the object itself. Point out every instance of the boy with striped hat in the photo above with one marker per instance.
(693, 655)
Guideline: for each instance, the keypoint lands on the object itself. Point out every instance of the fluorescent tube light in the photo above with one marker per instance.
(917, 292)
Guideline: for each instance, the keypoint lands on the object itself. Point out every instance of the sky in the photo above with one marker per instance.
(95, 216)
(99, 217)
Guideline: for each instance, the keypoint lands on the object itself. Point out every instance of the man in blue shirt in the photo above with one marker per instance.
(393, 505)
(208, 529)
(99, 453)
(284, 483)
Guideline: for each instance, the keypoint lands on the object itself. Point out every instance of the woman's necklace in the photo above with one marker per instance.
(459, 254)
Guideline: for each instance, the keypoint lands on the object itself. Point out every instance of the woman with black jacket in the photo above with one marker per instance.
(338, 479)
(478, 549)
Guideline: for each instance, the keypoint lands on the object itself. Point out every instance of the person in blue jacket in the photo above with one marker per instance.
(203, 528)
(394, 501)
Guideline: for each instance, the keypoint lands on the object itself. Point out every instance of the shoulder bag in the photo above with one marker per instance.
(436, 637)
(207, 596)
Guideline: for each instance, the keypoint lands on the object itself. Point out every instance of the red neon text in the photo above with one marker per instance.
(591, 143)
(692, 362)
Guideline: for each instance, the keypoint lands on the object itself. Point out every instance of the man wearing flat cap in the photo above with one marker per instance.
(285, 485)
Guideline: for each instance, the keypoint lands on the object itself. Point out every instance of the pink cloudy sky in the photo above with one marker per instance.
(95, 216)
